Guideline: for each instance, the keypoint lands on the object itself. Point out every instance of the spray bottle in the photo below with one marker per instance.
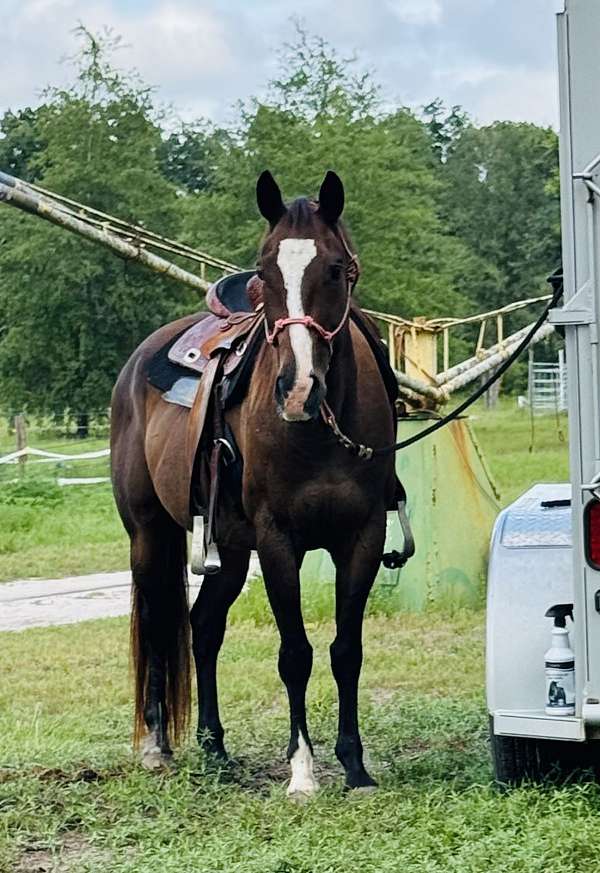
(560, 664)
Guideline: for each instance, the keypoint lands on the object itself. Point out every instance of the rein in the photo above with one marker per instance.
(366, 453)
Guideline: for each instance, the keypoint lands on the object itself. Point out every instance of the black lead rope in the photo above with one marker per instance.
(556, 280)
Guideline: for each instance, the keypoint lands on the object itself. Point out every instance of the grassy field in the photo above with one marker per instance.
(517, 456)
(72, 799)
(50, 531)
(47, 531)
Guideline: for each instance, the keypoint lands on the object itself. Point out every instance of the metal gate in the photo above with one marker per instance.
(547, 384)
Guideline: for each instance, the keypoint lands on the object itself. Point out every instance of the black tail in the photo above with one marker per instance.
(159, 559)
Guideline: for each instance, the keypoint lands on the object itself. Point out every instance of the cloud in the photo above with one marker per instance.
(416, 11)
(174, 43)
(204, 55)
(516, 95)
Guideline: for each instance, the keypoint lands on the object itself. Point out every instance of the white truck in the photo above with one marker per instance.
(546, 546)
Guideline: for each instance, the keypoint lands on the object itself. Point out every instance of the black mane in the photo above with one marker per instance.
(301, 212)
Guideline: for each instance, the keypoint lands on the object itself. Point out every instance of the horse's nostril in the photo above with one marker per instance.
(313, 401)
(280, 390)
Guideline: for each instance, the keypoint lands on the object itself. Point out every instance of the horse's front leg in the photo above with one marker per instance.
(357, 563)
(280, 564)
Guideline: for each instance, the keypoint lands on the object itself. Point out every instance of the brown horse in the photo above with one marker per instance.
(301, 490)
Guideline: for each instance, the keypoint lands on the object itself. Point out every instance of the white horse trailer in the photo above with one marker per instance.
(546, 546)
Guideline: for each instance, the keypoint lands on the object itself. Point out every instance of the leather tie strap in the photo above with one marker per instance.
(365, 453)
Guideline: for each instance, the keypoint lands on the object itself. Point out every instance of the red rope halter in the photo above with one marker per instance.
(308, 321)
(352, 274)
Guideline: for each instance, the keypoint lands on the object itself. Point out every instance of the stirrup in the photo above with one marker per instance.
(197, 556)
(212, 561)
(395, 560)
(205, 560)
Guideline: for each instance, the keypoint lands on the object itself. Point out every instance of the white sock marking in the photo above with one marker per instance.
(293, 258)
(303, 780)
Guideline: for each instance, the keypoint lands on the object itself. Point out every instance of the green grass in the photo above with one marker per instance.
(46, 531)
(71, 793)
(74, 800)
(517, 457)
(50, 531)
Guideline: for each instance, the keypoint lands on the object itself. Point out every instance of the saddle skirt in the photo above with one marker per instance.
(212, 336)
(234, 302)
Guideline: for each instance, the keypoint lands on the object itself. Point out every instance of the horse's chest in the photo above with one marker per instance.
(321, 507)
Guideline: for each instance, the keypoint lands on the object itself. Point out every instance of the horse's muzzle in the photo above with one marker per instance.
(299, 401)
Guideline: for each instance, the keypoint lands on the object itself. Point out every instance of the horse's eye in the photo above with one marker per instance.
(335, 271)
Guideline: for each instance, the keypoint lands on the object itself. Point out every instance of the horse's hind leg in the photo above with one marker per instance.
(356, 563)
(159, 635)
(208, 618)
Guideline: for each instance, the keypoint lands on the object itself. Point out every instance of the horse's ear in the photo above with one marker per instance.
(269, 199)
(331, 197)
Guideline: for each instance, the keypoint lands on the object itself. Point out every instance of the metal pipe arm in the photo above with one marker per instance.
(35, 204)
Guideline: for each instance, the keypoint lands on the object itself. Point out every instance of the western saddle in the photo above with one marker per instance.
(220, 348)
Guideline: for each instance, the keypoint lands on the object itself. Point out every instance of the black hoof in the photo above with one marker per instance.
(216, 755)
(359, 779)
(213, 748)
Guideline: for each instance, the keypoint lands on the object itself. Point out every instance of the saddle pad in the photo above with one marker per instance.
(163, 373)
(183, 392)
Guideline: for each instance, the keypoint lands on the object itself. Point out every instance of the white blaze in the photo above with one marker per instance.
(293, 258)
(303, 780)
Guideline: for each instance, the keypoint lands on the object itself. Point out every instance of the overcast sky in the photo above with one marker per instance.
(494, 57)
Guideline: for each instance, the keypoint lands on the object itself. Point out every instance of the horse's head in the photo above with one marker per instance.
(308, 272)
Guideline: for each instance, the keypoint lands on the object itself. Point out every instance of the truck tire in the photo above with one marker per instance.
(527, 759)
(515, 759)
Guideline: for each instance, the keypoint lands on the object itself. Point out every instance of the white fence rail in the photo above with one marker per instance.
(41, 456)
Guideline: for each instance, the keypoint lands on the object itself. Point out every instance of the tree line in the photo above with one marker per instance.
(449, 218)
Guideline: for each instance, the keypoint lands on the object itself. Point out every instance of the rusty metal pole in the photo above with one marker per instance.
(21, 440)
(38, 205)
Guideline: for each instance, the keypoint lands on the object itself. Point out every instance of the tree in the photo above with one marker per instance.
(189, 155)
(70, 313)
(444, 127)
(323, 112)
(21, 141)
(447, 218)
(499, 199)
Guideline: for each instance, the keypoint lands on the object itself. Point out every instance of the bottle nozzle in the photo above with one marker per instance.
(559, 613)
